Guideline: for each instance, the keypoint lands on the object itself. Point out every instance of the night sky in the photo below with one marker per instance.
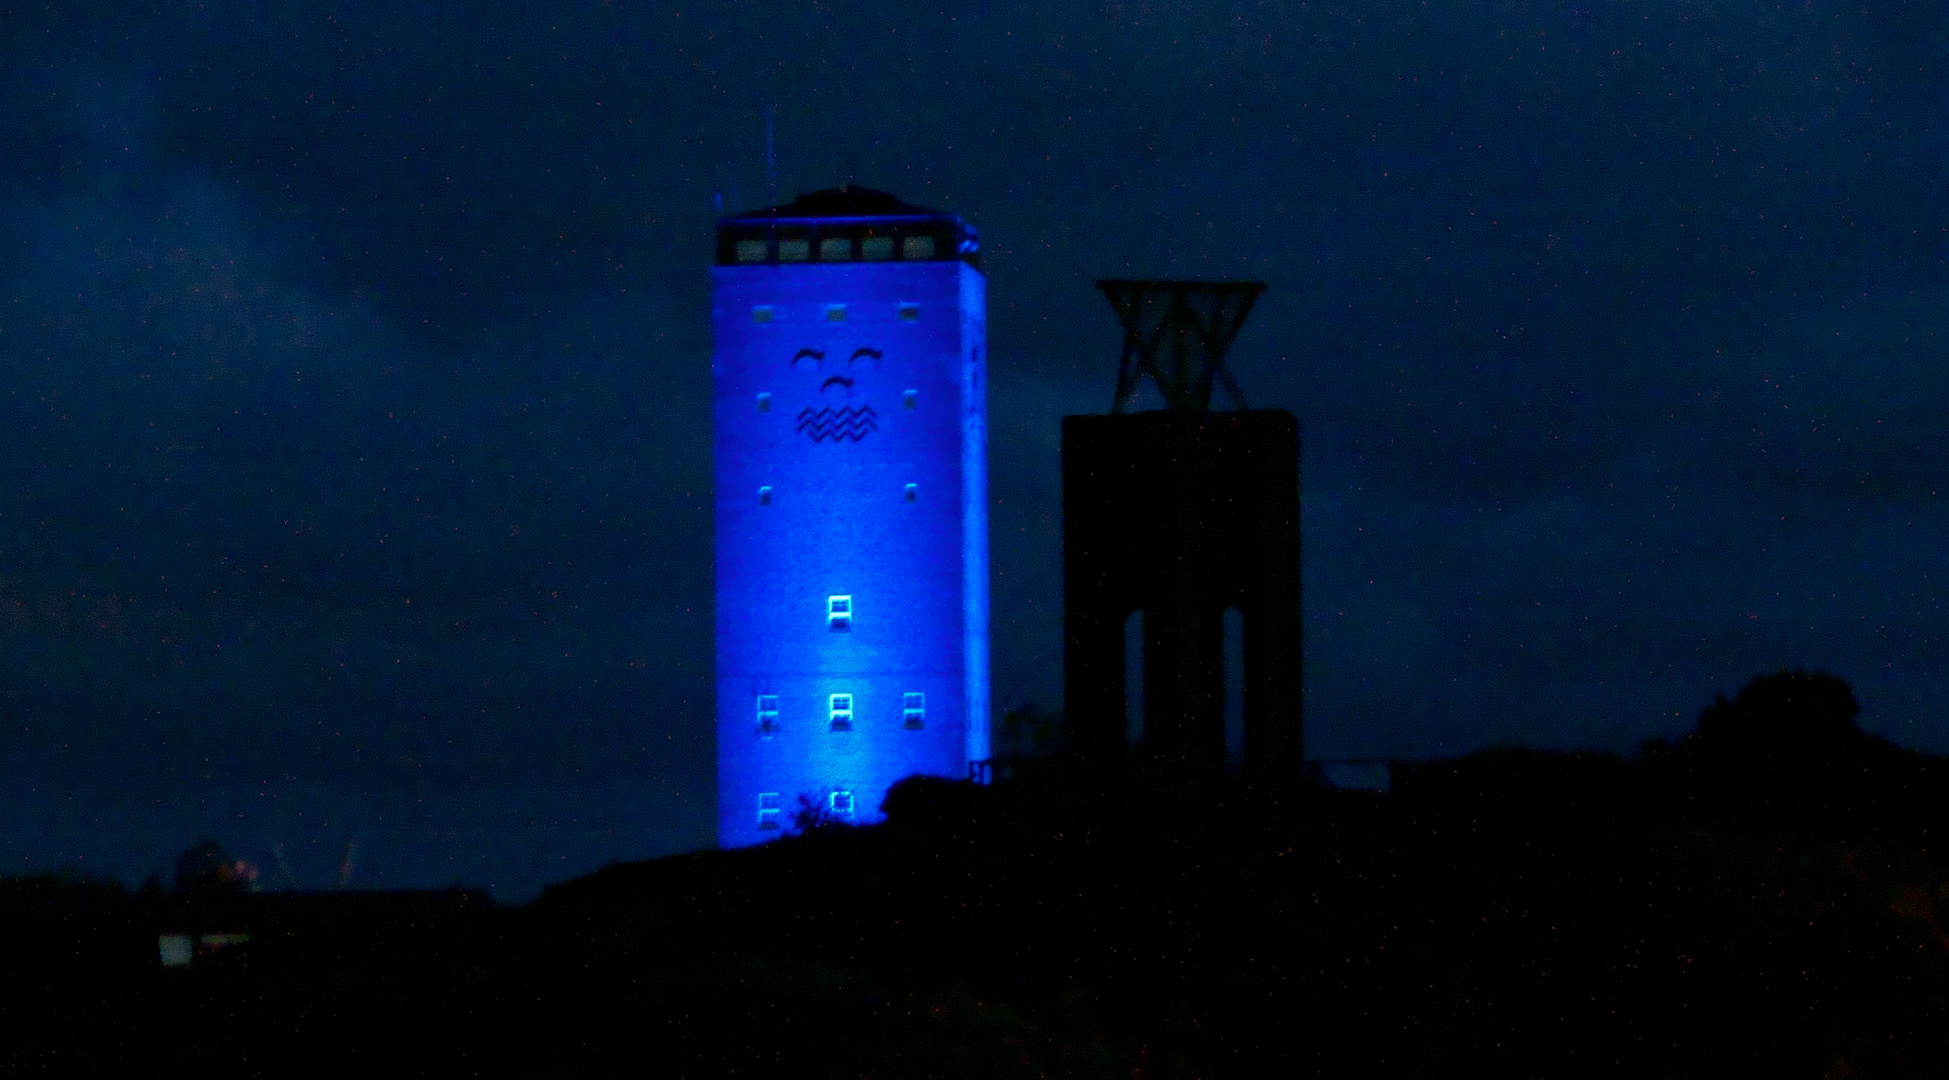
(354, 377)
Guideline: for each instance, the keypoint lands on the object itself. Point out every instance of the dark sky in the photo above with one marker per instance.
(354, 376)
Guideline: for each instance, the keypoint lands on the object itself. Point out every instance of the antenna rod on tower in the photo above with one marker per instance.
(771, 157)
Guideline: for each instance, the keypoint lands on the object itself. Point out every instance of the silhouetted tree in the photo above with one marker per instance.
(1785, 751)
(205, 867)
(811, 815)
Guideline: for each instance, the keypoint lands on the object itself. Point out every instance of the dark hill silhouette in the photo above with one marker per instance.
(1511, 913)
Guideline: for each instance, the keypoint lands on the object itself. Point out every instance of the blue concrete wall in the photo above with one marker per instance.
(859, 406)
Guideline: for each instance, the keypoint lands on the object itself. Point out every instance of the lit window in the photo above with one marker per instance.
(910, 313)
(839, 710)
(910, 398)
(768, 810)
(761, 314)
(839, 613)
(841, 803)
(764, 402)
(914, 247)
(835, 249)
(835, 313)
(912, 494)
(913, 711)
(764, 495)
(876, 247)
(801, 250)
(767, 715)
(751, 251)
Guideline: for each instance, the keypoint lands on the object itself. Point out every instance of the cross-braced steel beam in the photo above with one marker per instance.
(1198, 320)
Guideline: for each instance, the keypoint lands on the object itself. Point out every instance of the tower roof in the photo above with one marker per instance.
(850, 201)
(845, 224)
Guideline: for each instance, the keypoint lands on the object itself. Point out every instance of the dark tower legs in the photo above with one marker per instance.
(1183, 514)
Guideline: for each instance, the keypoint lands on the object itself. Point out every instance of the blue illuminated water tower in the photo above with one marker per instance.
(852, 506)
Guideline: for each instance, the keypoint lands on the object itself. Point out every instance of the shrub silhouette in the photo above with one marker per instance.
(931, 802)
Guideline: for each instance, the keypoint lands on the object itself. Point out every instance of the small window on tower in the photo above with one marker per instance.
(913, 711)
(767, 715)
(794, 250)
(835, 313)
(764, 495)
(761, 314)
(912, 494)
(914, 247)
(839, 712)
(876, 247)
(768, 810)
(910, 313)
(841, 803)
(839, 613)
(835, 249)
(764, 402)
(910, 398)
(751, 251)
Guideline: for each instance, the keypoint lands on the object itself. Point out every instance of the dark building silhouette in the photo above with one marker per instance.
(1182, 513)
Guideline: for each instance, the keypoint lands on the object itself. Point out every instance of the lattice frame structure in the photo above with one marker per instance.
(1177, 333)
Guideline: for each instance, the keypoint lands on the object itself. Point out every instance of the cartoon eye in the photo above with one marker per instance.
(815, 355)
(871, 354)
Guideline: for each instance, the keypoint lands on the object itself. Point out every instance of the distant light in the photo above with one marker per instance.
(764, 402)
(176, 949)
(835, 313)
(910, 313)
(910, 398)
(751, 251)
(876, 247)
(913, 247)
(764, 495)
(912, 494)
(835, 249)
(761, 314)
(794, 250)
(839, 613)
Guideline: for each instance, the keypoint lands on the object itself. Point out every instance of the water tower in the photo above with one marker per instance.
(852, 506)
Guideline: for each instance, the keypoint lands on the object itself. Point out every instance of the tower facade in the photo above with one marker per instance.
(852, 506)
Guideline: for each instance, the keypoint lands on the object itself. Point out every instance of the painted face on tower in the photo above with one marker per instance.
(836, 392)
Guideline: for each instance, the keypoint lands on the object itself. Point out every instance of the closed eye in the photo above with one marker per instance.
(874, 354)
(840, 379)
(802, 354)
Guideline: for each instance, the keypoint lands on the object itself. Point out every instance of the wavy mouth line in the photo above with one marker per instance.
(843, 424)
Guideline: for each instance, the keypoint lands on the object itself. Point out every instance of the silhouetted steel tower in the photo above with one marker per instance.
(1182, 513)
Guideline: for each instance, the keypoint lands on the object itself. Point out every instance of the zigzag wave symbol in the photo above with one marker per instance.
(843, 424)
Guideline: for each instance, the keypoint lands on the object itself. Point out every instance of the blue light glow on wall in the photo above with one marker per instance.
(852, 520)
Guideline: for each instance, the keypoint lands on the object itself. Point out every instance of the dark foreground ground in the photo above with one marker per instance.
(1512, 914)
(1767, 898)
